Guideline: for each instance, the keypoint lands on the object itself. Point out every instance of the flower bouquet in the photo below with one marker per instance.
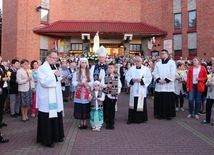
(91, 56)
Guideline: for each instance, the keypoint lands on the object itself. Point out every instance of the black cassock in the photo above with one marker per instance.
(135, 116)
(164, 105)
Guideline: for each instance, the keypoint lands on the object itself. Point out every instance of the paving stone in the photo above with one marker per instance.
(180, 136)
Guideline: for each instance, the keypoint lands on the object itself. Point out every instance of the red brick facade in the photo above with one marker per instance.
(205, 28)
(21, 17)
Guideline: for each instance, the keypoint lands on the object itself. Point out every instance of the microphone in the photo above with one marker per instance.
(57, 66)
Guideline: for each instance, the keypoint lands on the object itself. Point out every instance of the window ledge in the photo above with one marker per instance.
(44, 23)
(193, 29)
(177, 57)
(190, 57)
(177, 32)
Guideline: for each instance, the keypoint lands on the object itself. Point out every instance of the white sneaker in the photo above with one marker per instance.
(196, 116)
(189, 116)
(176, 109)
(182, 109)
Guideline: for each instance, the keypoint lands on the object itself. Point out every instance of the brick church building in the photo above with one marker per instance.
(32, 27)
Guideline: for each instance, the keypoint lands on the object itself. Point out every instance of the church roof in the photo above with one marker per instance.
(104, 27)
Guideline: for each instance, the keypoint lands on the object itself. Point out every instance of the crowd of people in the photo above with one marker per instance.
(95, 88)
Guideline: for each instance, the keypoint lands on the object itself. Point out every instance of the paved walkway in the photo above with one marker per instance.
(180, 136)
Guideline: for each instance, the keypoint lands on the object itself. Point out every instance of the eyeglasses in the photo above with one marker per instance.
(163, 53)
(56, 58)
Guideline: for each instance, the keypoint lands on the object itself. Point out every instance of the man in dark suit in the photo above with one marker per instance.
(3, 91)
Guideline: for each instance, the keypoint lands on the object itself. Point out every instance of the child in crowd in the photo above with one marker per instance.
(81, 80)
(179, 90)
(72, 70)
(96, 114)
(111, 87)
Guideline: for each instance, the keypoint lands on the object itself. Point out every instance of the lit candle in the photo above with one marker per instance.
(0, 77)
(209, 76)
(152, 73)
(180, 72)
(29, 72)
(8, 73)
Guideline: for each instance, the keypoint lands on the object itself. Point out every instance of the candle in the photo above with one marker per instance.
(0, 77)
(152, 73)
(209, 76)
(180, 72)
(29, 71)
(8, 73)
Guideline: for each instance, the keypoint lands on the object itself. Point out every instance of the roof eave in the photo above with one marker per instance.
(100, 32)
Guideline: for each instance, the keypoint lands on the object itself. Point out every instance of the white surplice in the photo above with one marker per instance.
(46, 80)
(138, 90)
(165, 71)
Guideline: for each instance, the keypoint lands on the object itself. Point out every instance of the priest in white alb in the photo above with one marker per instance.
(138, 78)
(49, 102)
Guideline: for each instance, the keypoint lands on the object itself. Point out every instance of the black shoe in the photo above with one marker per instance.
(128, 122)
(202, 113)
(107, 127)
(159, 117)
(50, 145)
(18, 114)
(65, 100)
(80, 126)
(3, 124)
(205, 122)
(112, 127)
(24, 120)
(61, 140)
(2, 140)
(85, 127)
(14, 116)
(169, 118)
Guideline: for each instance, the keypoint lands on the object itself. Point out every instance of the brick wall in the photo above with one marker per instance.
(111, 10)
(205, 28)
(160, 14)
(9, 29)
(28, 43)
(19, 18)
